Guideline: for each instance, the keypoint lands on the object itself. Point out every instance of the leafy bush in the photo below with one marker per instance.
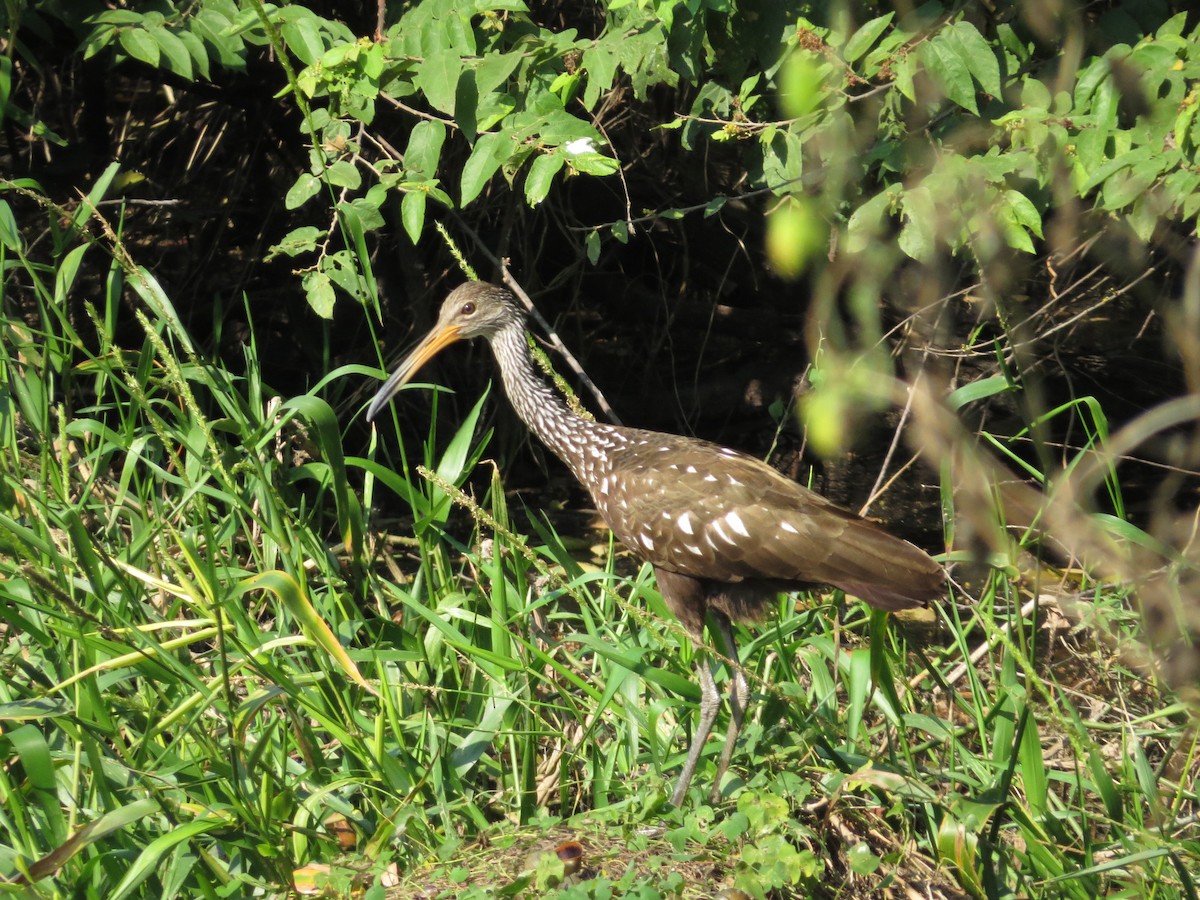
(223, 667)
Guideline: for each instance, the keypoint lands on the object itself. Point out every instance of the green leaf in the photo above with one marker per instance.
(902, 70)
(863, 39)
(199, 52)
(977, 54)
(303, 37)
(64, 278)
(437, 77)
(920, 223)
(1024, 211)
(868, 221)
(305, 188)
(944, 64)
(1125, 186)
(299, 240)
(424, 148)
(490, 151)
(493, 70)
(319, 290)
(600, 63)
(150, 858)
(140, 45)
(295, 598)
(344, 173)
(365, 213)
(412, 214)
(980, 389)
(594, 164)
(213, 28)
(10, 235)
(592, 245)
(541, 176)
(93, 833)
(175, 52)
(341, 268)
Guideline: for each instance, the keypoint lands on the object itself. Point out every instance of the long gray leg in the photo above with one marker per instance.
(739, 698)
(710, 701)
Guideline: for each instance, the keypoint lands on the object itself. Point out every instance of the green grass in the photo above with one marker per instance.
(218, 662)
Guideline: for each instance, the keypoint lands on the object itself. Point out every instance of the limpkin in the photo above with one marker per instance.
(724, 531)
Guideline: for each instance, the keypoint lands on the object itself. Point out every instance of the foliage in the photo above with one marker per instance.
(218, 664)
(1004, 132)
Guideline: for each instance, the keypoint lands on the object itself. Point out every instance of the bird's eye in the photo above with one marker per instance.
(468, 308)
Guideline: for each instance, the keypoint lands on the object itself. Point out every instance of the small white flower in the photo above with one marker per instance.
(580, 145)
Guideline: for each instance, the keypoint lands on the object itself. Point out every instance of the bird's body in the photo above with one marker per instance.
(724, 531)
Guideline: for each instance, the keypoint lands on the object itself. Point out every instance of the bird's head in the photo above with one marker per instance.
(474, 309)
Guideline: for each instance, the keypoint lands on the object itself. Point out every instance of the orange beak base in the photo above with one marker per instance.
(430, 346)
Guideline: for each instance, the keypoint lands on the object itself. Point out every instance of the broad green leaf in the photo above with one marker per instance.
(437, 77)
(319, 290)
(489, 152)
(867, 222)
(594, 164)
(344, 173)
(342, 269)
(1024, 211)
(1034, 94)
(600, 63)
(902, 70)
(493, 70)
(1124, 186)
(977, 55)
(863, 39)
(541, 176)
(298, 240)
(198, 51)
(306, 187)
(592, 245)
(213, 28)
(424, 148)
(140, 45)
(303, 37)
(919, 231)
(943, 62)
(364, 211)
(412, 213)
(174, 51)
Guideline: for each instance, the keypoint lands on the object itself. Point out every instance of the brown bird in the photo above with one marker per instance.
(724, 531)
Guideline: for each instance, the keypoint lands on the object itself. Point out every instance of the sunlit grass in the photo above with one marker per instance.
(226, 669)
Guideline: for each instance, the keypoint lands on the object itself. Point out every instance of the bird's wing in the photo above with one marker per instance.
(708, 512)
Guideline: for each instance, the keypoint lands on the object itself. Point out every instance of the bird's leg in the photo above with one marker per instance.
(739, 698)
(710, 701)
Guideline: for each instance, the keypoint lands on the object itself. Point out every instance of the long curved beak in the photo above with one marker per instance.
(441, 336)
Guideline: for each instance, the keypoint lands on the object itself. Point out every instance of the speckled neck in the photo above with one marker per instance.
(572, 438)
